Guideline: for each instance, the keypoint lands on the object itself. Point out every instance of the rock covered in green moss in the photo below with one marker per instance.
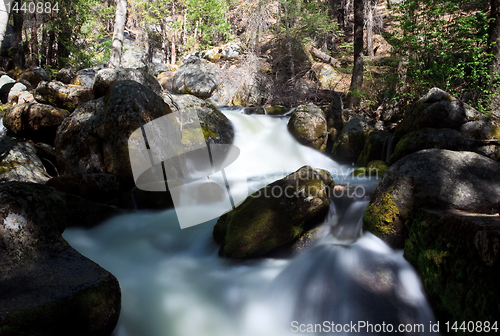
(425, 138)
(308, 125)
(34, 75)
(457, 256)
(34, 121)
(351, 141)
(275, 215)
(19, 161)
(432, 178)
(216, 127)
(48, 288)
(94, 138)
(65, 96)
(104, 80)
(376, 168)
(376, 147)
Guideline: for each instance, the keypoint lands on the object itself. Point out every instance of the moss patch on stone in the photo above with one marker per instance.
(379, 217)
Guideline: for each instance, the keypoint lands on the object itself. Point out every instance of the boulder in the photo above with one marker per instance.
(351, 141)
(226, 92)
(34, 121)
(24, 97)
(94, 187)
(166, 80)
(85, 77)
(65, 75)
(15, 90)
(437, 109)
(6, 83)
(34, 75)
(456, 254)
(66, 96)
(325, 75)
(231, 51)
(19, 161)
(48, 288)
(275, 215)
(377, 147)
(216, 127)
(426, 138)
(105, 78)
(435, 179)
(156, 69)
(94, 138)
(334, 117)
(374, 169)
(196, 76)
(308, 125)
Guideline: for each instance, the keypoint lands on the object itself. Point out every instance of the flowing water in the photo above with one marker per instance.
(174, 283)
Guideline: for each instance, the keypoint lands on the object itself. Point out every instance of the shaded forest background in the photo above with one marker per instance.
(392, 50)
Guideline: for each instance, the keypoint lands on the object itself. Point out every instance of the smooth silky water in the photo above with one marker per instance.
(174, 283)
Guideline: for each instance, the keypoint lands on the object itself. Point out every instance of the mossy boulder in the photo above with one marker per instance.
(196, 76)
(456, 254)
(65, 96)
(350, 142)
(276, 215)
(34, 75)
(48, 288)
(308, 126)
(376, 168)
(377, 145)
(94, 138)
(38, 122)
(216, 127)
(435, 179)
(104, 80)
(19, 161)
(425, 138)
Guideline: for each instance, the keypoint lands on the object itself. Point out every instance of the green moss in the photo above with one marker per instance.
(460, 286)
(379, 217)
(208, 133)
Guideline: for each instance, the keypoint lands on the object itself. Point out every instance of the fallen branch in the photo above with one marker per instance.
(324, 57)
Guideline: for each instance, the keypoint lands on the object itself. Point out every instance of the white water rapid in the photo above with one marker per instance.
(174, 283)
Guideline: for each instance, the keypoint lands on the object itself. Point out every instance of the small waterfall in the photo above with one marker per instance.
(265, 111)
(174, 283)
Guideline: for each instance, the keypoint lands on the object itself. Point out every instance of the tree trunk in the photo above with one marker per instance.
(18, 38)
(173, 49)
(4, 18)
(116, 48)
(494, 49)
(34, 41)
(353, 98)
(369, 28)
